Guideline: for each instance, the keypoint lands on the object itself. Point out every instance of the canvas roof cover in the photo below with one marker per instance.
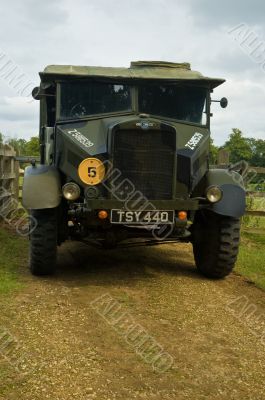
(153, 70)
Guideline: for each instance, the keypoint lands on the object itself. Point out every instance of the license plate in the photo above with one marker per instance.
(142, 217)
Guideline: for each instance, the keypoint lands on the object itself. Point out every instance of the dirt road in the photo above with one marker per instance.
(71, 352)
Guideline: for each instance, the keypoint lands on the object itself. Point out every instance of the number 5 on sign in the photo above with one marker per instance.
(91, 171)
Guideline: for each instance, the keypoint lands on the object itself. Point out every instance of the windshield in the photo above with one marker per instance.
(81, 99)
(185, 103)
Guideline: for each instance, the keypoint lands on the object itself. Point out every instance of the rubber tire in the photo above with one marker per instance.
(43, 242)
(216, 241)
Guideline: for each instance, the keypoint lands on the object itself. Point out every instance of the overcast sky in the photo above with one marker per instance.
(114, 32)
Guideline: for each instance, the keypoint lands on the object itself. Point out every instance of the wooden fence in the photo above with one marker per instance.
(20, 184)
(9, 174)
(256, 195)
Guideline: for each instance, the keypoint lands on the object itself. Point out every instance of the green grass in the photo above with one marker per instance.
(13, 255)
(250, 222)
(251, 259)
(254, 204)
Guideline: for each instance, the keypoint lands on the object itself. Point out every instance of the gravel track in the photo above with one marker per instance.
(71, 352)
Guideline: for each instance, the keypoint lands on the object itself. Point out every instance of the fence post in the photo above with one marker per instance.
(8, 176)
(223, 157)
(16, 181)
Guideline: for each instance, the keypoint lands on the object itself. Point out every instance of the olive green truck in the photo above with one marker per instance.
(125, 157)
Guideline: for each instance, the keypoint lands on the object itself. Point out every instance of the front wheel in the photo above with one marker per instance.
(215, 240)
(43, 241)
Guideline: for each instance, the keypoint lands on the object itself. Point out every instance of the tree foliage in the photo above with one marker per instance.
(19, 145)
(33, 147)
(213, 152)
(258, 152)
(25, 147)
(241, 148)
(238, 147)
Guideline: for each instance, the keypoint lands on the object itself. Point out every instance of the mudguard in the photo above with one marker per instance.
(41, 187)
(233, 202)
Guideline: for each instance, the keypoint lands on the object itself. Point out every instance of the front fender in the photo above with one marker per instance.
(233, 202)
(41, 187)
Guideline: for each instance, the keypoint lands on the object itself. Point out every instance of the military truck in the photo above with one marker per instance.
(124, 155)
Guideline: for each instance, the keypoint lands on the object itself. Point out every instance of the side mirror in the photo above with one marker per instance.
(41, 91)
(223, 102)
(36, 93)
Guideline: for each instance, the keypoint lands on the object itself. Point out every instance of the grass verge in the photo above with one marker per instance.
(13, 255)
(251, 259)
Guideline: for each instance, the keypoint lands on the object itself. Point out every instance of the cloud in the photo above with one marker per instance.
(245, 110)
(215, 13)
(28, 15)
(17, 109)
(18, 117)
(100, 32)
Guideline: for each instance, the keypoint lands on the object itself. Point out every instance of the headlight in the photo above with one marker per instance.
(71, 191)
(214, 194)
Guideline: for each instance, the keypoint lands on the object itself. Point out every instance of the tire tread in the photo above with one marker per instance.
(216, 241)
(43, 242)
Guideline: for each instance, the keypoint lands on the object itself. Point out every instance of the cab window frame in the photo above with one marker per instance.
(59, 83)
(206, 109)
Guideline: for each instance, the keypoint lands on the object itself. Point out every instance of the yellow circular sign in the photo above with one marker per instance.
(91, 171)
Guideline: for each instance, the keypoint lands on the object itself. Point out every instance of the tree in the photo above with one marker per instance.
(258, 152)
(238, 146)
(25, 148)
(19, 145)
(1, 138)
(213, 152)
(33, 147)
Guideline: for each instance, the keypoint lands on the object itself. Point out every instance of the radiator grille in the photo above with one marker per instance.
(146, 158)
